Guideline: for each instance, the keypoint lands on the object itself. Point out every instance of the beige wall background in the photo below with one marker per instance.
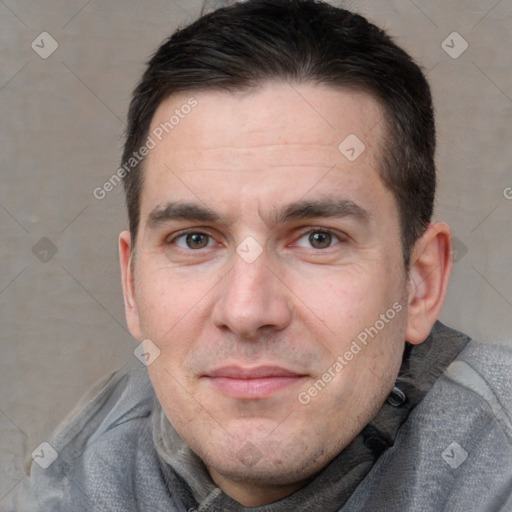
(62, 120)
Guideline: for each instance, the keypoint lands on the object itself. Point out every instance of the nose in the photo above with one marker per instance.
(252, 299)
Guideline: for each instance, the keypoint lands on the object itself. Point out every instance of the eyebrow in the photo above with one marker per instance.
(180, 211)
(300, 210)
(321, 208)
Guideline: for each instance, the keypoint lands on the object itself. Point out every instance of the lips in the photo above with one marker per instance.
(252, 383)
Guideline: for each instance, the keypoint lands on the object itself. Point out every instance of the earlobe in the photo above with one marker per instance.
(130, 304)
(430, 269)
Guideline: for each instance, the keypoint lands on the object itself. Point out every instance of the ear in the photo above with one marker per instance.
(130, 304)
(430, 269)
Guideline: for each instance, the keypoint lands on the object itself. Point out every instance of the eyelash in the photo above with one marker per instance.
(340, 238)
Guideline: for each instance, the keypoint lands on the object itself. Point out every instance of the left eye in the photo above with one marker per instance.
(193, 241)
(318, 239)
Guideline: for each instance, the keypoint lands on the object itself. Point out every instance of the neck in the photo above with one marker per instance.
(252, 494)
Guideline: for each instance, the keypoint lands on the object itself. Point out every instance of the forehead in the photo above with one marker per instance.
(304, 113)
(263, 140)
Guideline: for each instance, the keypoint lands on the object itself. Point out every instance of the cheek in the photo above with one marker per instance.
(347, 296)
(168, 306)
(365, 305)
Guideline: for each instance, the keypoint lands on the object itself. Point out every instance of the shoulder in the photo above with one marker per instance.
(454, 451)
(460, 435)
(481, 369)
(470, 410)
(111, 414)
(123, 396)
(485, 370)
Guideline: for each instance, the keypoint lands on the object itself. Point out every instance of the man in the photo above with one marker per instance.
(283, 273)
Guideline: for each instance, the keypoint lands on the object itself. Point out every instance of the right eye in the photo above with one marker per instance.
(193, 241)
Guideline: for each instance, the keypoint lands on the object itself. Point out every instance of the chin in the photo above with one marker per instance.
(264, 459)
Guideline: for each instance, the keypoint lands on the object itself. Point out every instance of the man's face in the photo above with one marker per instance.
(263, 252)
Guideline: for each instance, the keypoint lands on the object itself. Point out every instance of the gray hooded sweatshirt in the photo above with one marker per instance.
(441, 442)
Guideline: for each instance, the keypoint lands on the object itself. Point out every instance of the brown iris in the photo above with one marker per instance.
(320, 239)
(197, 240)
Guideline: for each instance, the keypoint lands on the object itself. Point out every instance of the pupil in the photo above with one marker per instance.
(320, 240)
(196, 241)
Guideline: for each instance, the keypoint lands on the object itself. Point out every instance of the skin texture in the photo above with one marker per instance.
(299, 305)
